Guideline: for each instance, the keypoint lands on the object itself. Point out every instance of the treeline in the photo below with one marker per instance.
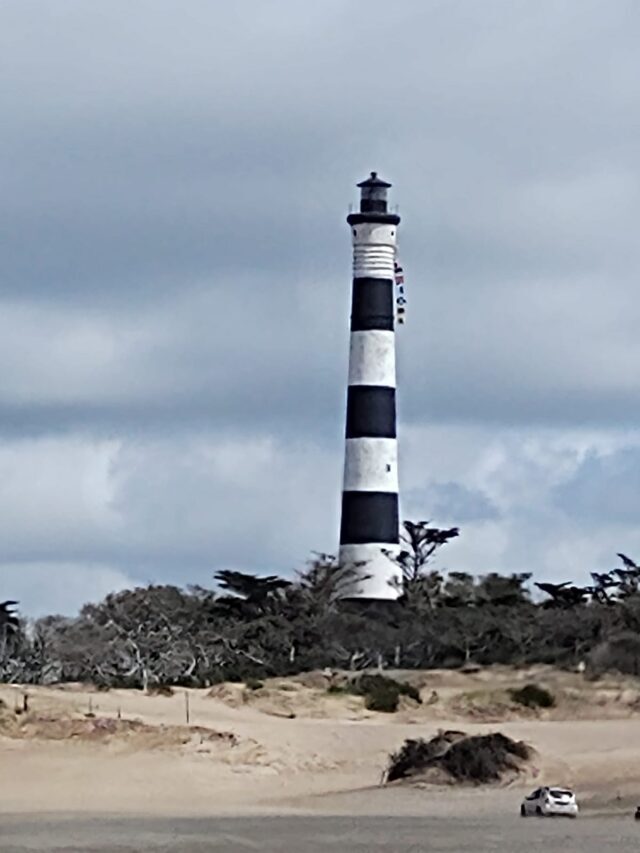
(253, 627)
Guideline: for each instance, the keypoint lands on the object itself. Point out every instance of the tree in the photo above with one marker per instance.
(459, 590)
(326, 581)
(506, 590)
(268, 626)
(628, 578)
(422, 542)
(419, 586)
(249, 594)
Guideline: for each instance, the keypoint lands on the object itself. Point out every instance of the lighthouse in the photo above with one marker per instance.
(369, 529)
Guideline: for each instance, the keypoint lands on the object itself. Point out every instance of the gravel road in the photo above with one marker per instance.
(20, 834)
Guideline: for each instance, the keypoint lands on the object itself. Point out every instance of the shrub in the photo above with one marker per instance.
(381, 685)
(416, 755)
(533, 696)
(383, 698)
(620, 653)
(484, 758)
(478, 759)
(253, 684)
(380, 692)
(160, 690)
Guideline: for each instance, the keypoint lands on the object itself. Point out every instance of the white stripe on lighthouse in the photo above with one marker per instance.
(373, 261)
(372, 358)
(374, 250)
(382, 575)
(371, 465)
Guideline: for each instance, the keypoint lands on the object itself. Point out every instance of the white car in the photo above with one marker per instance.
(545, 802)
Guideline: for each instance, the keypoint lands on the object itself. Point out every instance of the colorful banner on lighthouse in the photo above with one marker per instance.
(400, 297)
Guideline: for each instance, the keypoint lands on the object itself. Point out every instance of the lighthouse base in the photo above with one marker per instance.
(379, 576)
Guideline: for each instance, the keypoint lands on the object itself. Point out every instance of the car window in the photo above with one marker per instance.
(534, 795)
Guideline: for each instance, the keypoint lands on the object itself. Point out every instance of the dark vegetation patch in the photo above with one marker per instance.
(533, 696)
(258, 628)
(380, 692)
(160, 690)
(459, 758)
(619, 653)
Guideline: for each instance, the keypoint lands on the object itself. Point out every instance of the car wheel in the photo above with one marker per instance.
(523, 811)
(538, 811)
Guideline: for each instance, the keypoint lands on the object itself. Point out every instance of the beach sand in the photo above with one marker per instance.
(291, 748)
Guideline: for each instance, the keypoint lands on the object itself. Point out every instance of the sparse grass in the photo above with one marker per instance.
(482, 697)
(491, 704)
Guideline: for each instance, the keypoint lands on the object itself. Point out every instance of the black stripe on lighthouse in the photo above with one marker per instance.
(372, 304)
(369, 517)
(371, 412)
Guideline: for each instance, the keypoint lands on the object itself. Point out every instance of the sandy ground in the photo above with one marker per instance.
(291, 748)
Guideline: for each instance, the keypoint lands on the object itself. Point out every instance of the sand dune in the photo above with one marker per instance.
(290, 745)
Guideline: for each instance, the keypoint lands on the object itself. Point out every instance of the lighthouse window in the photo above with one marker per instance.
(355, 233)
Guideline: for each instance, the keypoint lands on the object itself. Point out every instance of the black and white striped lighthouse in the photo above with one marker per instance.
(369, 525)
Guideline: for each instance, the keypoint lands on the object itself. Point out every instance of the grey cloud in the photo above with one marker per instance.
(48, 588)
(604, 489)
(129, 182)
(175, 265)
(176, 509)
(256, 504)
(167, 508)
(182, 365)
(453, 503)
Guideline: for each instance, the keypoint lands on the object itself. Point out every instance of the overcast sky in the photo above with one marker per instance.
(175, 276)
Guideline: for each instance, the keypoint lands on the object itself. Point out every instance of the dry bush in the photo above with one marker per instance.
(160, 690)
(380, 692)
(476, 759)
(533, 696)
(415, 756)
(620, 653)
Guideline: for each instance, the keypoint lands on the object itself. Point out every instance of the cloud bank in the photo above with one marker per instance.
(175, 272)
